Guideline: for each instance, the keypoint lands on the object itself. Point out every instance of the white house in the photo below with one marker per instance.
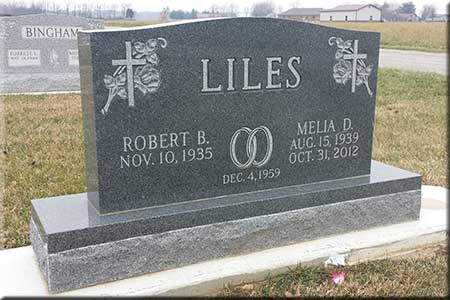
(352, 13)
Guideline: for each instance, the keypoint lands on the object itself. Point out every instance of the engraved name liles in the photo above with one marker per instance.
(273, 76)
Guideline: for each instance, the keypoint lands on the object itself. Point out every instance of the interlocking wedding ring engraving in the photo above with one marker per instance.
(251, 147)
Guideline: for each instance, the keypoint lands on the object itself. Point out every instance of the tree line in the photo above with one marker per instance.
(390, 11)
(86, 10)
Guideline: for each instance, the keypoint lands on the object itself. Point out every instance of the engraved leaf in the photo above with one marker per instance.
(138, 55)
(139, 47)
(339, 54)
(109, 81)
(339, 43)
(121, 79)
(151, 44)
(122, 92)
(359, 80)
(342, 71)
(153, 59)
(362, 73)
(348, 44)
(343, 45)
(363, 70)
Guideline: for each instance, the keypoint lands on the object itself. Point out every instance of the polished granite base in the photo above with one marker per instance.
(76, 247)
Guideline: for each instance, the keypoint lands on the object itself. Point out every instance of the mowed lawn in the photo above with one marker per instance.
(421, 36)
(44, 148)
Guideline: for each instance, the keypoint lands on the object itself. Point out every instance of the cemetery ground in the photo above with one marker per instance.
(44, 155)
(421, 36)
(420, 274)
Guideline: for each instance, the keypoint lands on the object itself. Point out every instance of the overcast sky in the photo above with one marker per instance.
(158, 5)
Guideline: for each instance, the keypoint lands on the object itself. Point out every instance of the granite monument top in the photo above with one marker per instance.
(203, 109)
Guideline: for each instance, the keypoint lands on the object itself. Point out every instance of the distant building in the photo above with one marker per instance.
(402, 17)
(352, 13)
(301, 14)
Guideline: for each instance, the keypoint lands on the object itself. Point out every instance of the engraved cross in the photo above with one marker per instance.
(129, 62)
(354, 57)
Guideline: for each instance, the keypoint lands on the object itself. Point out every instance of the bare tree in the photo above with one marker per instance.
(21, 8)
(295, 3)
(246, 11)
(54, 7)
(113, 10)
(164, 15)
(388, 11)
(262, 9)
(428, 11)
(407, 8)
(98, 10)
(214, 9)
(92, 9)
(67, 4)
(125, 7)
(279, 9)
(230, 10)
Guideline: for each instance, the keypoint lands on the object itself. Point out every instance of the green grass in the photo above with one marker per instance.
(44, 155)
(44, 149)
(411, 123)
(430, 37)
(414, 277)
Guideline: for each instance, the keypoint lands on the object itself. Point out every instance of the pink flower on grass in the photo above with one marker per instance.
(338, 278)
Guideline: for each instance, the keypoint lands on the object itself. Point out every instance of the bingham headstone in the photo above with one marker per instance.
(39, 53)
(214, 138)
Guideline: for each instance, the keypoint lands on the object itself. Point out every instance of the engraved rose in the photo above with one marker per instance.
(147, 79)
(342, 71)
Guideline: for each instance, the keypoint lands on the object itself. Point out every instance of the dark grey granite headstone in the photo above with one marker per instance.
(205, 109)
(39, 53)
(215, 138)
